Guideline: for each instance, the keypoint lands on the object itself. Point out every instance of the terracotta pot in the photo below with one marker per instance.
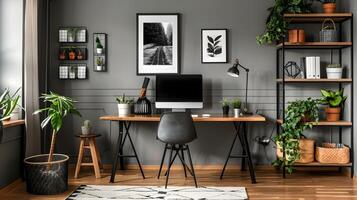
(329, 7)
(333, 114)
(297, 35)
(72, 55)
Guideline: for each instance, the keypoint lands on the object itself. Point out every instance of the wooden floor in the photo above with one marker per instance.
(302, 185)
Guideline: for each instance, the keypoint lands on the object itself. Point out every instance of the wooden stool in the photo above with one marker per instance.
(88, 142)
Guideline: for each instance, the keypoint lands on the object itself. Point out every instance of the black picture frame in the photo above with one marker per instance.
(178, 43)
(103, 55)
(225, 60)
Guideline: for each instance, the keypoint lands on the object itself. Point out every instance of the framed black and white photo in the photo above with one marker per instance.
(158, 44)
(214, 46)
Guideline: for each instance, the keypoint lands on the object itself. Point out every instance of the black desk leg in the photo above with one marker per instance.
(244, 154)
(230, 150)
(121, 133)
(117, 152)
(246, 146)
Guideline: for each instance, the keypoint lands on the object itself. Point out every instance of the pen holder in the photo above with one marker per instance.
(142, 106)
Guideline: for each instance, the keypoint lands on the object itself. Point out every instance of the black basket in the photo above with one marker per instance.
(142, 106)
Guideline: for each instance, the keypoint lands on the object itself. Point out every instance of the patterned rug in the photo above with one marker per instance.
(103, 192)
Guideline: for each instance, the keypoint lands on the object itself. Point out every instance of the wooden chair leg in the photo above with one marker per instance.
(98, 154)
(94, 159)
(80, 157)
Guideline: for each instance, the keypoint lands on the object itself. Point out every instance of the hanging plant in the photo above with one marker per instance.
(299, 116)
(276, 27)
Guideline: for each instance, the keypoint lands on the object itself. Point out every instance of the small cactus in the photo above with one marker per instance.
(86, 123)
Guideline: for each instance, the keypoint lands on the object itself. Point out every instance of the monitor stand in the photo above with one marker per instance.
(178, 110)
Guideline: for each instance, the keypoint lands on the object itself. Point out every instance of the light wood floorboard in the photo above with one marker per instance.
(303, 185)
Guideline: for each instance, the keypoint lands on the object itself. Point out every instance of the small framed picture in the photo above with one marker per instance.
(81, 71)
(63, 72)
(62, 35)
(214, 46)
(158, 44)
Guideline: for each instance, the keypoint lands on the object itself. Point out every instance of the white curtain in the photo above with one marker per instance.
(31, 85)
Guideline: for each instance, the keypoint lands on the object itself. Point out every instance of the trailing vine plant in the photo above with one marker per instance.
(276, 27)
(299, 116)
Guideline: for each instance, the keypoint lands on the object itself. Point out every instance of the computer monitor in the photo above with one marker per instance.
(179, 92)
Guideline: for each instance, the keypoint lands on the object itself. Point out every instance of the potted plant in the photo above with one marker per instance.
(71, 34)
(99, 63)
(9, 105)
(99, 46)
(335, 101)
(334, 71)
(72, 71)
(79, 54)
(48, 173)
(236, 103)
(86, 128)
(124, 105)
(72, 54)
(276, 27)
(299, 116)
(62, 55)
(329, 6)
(225, 106)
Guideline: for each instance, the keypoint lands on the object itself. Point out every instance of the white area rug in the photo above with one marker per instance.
(103, 192)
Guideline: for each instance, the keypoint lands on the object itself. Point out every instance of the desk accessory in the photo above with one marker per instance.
(124, 105)
(234, 72)
(236, 107)
(206, 115)
(225, 106)
(143, 104)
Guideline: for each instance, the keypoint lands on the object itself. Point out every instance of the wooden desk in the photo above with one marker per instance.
(240, 123)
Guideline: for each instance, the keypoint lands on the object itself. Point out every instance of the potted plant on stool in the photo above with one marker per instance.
(335, 101)
(48, 173)
(86, 128)
(124, 105)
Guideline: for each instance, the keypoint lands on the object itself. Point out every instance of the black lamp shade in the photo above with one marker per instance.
(233, 71)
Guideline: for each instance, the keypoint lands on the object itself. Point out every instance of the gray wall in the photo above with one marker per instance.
(244, 19)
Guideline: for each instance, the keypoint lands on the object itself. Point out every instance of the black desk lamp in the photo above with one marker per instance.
(234, 72)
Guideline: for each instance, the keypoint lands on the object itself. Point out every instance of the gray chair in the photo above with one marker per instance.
(176, 130)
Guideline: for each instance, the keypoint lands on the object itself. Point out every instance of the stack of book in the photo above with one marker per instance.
(312, 67)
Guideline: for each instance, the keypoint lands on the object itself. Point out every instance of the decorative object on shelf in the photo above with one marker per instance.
(100, 50)
(48, 173)
(158, 44)
(72, 35)
(328, 33)
(306, 149)
(335, 101)
(331, 153)
(72, 71)
(214, 46)
(329, 6)
(143, 104)
(124, 105)
(299, 116)
(293, 70)
(9, 105)
(236, 104)
(296, 35)
(86, 128)
(276, 27)
(234, 72)
(225, 106)
(72, 53)
(334, 71)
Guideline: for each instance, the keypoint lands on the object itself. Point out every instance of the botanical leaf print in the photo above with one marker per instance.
(213, 46)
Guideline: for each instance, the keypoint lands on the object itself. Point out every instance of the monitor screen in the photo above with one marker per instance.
(179, 88)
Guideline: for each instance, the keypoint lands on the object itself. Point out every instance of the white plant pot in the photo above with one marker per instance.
(123, 109)
(99, 68)
(15, 115)
(70, 38)
(86, 130)
(236, 112)
(334, 73)
(99, 50)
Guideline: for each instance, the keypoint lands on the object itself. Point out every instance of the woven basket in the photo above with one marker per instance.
(331, 155)
(328, 35)
(306, 151)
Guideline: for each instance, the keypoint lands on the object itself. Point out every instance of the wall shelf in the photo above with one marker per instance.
(326, 123)
(316, 17)
(314, 45)
(322, 80)
(343, 20)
